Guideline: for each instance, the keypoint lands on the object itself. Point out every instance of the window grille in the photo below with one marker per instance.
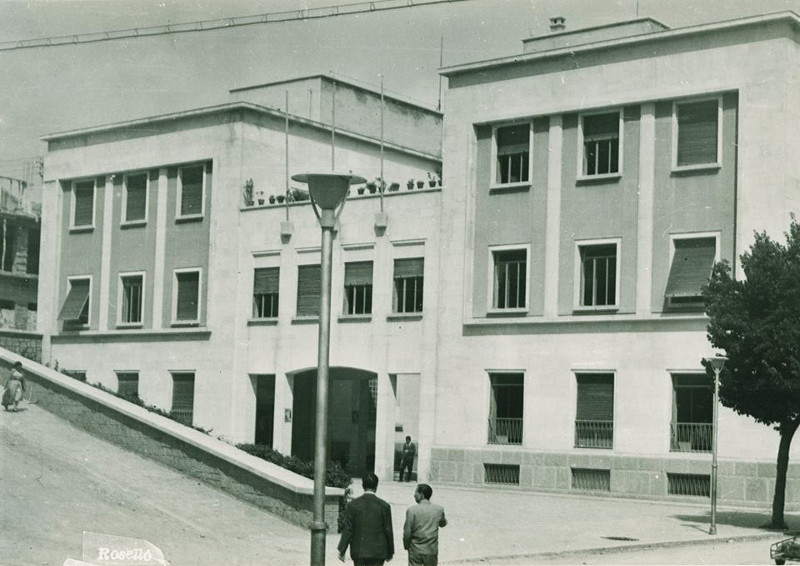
(590, 479)
(594, 422)
(183, 397)
(693, 485)
(506, 408)
(502, 474)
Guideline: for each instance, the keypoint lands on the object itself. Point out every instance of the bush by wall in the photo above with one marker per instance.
(335, 475)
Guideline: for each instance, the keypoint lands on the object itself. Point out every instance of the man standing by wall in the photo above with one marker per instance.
(407, 458)
(421, 529)
(367, 527)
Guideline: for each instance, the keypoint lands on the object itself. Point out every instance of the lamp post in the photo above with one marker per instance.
(328, 193)
(717, 363)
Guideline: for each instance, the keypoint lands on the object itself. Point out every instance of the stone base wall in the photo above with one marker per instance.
(25, 344)
(741, 483)
(233, 472)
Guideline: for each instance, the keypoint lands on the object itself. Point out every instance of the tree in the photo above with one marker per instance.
(757, 322)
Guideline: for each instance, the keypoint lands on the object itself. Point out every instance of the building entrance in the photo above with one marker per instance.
(352, 415)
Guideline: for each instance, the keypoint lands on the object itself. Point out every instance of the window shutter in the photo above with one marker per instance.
(136, 192)
(409, 267)
(691, 266)
(595, 397)
(192, 190)
(697, 133)
(265, 280)
(182, 391)
(188, 296)
(309, 287)
(84, 203)
(358, 273)
(76, 300)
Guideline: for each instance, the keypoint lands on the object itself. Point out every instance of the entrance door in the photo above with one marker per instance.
(265, 409)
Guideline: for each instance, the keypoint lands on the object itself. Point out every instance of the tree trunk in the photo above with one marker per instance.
(786, 430)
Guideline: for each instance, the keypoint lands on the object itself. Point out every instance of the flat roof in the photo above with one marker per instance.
(668, 34)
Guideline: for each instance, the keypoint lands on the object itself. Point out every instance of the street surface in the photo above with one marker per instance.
(57, 481)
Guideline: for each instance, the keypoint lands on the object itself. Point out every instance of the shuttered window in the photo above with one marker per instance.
(135, 197)
(594, 417)
(513, 153)
(75, 309)
(690, 270)
(601, 144)
(308, 290)
(408, 285)
(188, 296)
(128, 384)
(183, 397)
(698, 132)
(358, 287)
(191, 187)
(265, 292)
(83, 211)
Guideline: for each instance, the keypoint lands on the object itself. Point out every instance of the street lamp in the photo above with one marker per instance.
(328, 192)
(717, 363)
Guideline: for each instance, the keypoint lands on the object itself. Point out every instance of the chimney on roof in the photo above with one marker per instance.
(557, 23)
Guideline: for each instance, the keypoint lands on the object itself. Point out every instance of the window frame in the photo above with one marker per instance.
(363, 288)
(490, 388)
(396, 300)
(179, 196)
(698, 166)
(74, 205)
(124, 214)
(118, 373)
(297, 314)
(121, 296)
(253, 312)
(578, 274)
(688, 236)
(494, 182)
(88, 323)
(490, 295)
(577, 373)
(583, 175)
(186, 322)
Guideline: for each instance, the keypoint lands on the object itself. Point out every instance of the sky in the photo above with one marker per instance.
(52, 89)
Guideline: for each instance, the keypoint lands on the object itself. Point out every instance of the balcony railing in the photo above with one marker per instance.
(594, 434)
(691, 437)
(182, 416)
(505, 431)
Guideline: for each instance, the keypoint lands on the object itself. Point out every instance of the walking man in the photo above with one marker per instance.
(421, 529)
(367, 527)
(407, 459)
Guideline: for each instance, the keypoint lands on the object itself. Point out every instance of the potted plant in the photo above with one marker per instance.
(260, 197)
(380, 184)
(420, 184)
(410, 184)
(372, 187)
(394, 187)
(280, 198)
(431, 179)
(272, 199)
(361, 189)
(248, 192)
(299, 195)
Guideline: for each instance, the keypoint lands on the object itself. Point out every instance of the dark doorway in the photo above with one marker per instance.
(265, 408)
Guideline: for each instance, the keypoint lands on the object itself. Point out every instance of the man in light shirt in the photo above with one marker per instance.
(421, 529)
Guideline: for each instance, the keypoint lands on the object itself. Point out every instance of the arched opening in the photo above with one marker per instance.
(352, 416)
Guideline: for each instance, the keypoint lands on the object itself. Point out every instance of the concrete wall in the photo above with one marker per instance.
(188, 451)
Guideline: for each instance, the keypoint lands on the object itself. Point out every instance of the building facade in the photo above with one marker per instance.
(185, 271)
(595, 179)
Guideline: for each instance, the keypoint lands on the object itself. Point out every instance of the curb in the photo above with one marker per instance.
(532, 558)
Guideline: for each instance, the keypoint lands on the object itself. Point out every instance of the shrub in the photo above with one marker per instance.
(335, 475)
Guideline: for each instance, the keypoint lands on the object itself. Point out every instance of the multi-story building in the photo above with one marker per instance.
(179, 273)
(592, 183)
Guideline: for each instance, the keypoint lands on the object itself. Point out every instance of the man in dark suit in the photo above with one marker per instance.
(367, 527)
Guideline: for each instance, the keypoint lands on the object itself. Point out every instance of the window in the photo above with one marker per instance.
(186, 302)
(594, 418)
(308, 290)
(513, 154)
(598, 275)
(131, 299)
(358, 287)
(692, 261)
(510, 276)
(9, 249)
(692, 427)
(265, 292)
(135, 199)
(128, 384)
(408, 280)
(83, 204)
(505, 408)
(601, 144)
(190, 191)
(698, 133)
(183, 397)
(75, 310)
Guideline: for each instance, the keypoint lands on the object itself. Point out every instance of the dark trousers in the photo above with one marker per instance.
(415, 559)
(368, 561)
(406, 463)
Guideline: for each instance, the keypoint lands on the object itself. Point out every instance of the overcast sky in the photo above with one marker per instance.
(52, 89)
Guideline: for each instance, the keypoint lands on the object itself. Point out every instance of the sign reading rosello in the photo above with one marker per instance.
(111, 550)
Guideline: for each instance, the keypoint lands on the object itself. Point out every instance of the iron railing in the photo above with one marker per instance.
(503, 474)
(693, 485)
(505, 431)
(594, 434)
(591, 479)
(691, 437)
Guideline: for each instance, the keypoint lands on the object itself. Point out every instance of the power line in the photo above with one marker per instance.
(221, 23)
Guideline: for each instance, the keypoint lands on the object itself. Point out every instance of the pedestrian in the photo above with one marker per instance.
(15, 386)
(367, 527)
(421, 529)
(407, 458)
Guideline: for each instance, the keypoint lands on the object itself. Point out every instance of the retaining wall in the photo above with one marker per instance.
(189, 451)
